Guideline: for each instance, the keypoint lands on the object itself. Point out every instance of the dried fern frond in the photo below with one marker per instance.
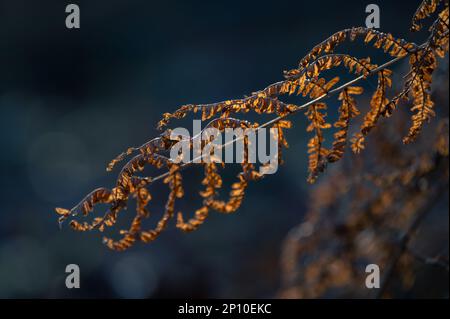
(379, 106)
(315, 146)
(347, 111)
(423, 65)
(439, 33)
(425, 10)
(309, 80)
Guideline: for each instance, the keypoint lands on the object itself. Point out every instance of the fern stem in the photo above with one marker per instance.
(301, 107)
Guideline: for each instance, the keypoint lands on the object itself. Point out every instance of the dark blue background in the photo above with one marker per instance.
(70, 100)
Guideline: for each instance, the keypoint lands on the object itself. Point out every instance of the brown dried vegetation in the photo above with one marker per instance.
(373, 214)
(308, 81)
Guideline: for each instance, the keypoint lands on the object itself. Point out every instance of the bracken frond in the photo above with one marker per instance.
(347, 111)
(315, 146)
(425, 10)
(307, 81)
(423, 65)
(379, 106)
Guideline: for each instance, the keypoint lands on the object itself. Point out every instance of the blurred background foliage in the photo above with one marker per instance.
(70, 100)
